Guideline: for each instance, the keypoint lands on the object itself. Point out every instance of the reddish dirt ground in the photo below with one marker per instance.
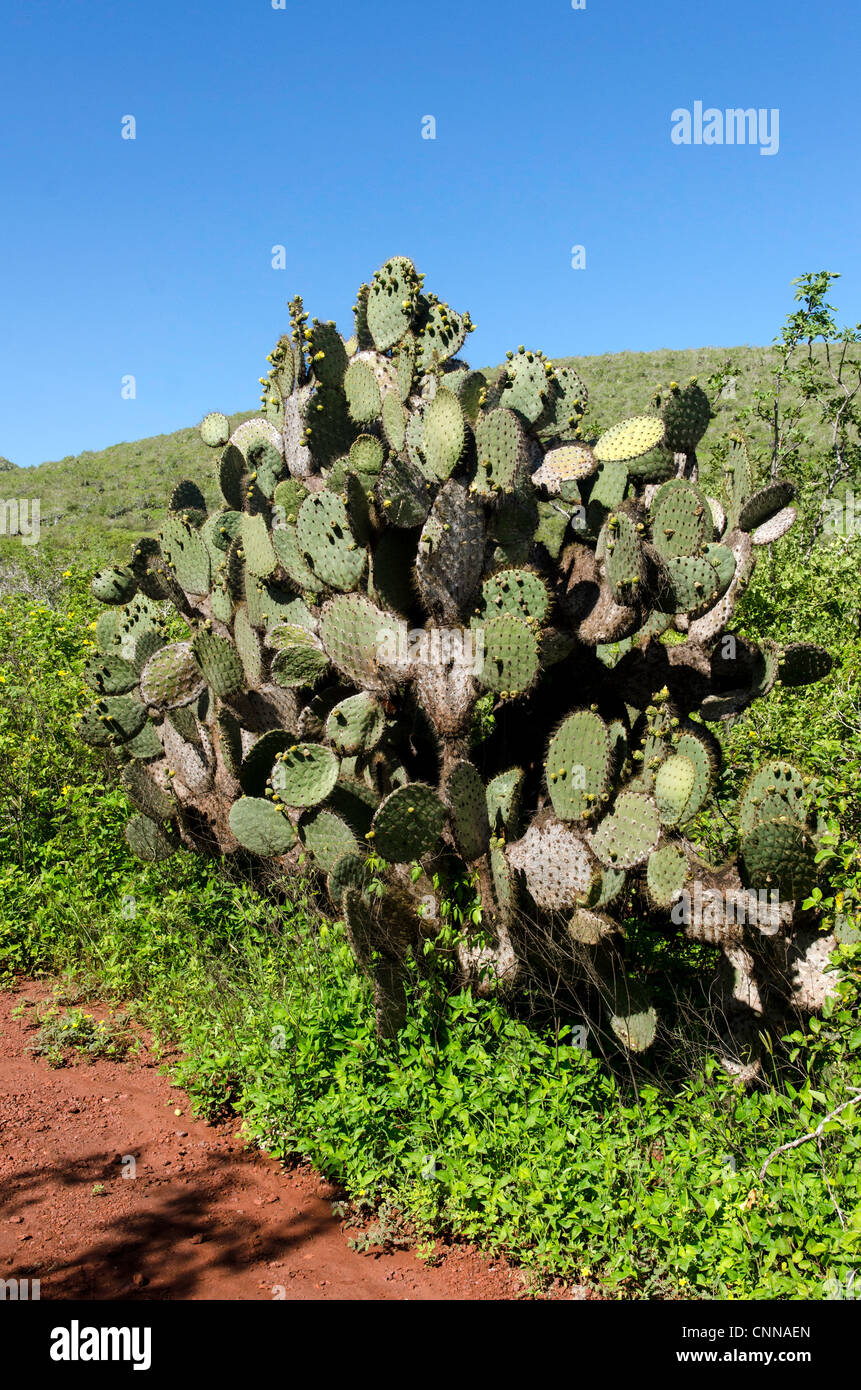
(203, 1218)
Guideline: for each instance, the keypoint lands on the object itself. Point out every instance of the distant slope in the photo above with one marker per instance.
(100, 500)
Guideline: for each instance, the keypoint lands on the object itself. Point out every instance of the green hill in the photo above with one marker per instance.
(98, 501)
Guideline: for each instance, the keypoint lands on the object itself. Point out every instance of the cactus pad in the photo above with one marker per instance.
(150, 841)
(511, 655)
(408, 823)
(627, 836)
(171, 677)
(260, 827)
(559, 869)
(356, 725)
(327, 542)
(304, 774)
(629, 439)
(578, 766)
(467, 802)
(686, 414)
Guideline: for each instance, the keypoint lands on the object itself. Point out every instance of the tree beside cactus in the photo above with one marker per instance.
(433, 633)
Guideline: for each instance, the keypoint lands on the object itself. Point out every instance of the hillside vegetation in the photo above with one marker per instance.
(103, 500)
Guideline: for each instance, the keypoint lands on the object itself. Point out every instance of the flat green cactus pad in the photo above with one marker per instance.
(257, 765)
(327, 542)
(403, 494)
(392, 302)
(261, 827)
(357, 635)
(145, 745)
(579, 765)
(502, 451)
(511, 655)
(588, 928)
(518, 591)
(778, 788)
(288, 498)
(219, 661)
(146, 794)
(686, 415)
(628, 835)
(112, 721)
(443, 435)
(695, 584)
(620, 549)
(525, 385)
(330, 840)
(408, 823)
(394, 418)
(304, 774)
(467, 802)
(451, 552)
(328, 354)
(293, 562)
(674, 784)
(503, 801)
(187, 497)
(442, 333)
(299, 665)
(150, 841)
(171, 677)
(366, 456)
(356, 725)
(187, 555)
(110, 675)
(116, 585)
(257, 548)
(802, 663)
(215, 429)
(232, 472)
(331, 428)
(362, 390)
(681, 519)
(350, 871)
(632, 1017)
(779, 856)
(248, 646)
(765, 504)
(667, 872)
(564, 406)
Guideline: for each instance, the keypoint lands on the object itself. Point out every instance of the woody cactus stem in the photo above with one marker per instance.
(431, 619)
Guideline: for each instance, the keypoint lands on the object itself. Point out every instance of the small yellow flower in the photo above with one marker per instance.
(67, 574)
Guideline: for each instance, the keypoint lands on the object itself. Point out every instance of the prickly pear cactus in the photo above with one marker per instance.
(433, 630)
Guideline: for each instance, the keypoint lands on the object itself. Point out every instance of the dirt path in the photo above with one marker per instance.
(201, 1218)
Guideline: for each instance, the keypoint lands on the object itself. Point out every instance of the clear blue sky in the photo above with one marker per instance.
(302, 127)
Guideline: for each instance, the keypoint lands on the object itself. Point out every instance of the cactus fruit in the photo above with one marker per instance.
(433, 630)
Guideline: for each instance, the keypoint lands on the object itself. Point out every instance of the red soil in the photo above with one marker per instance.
(202, 1219)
